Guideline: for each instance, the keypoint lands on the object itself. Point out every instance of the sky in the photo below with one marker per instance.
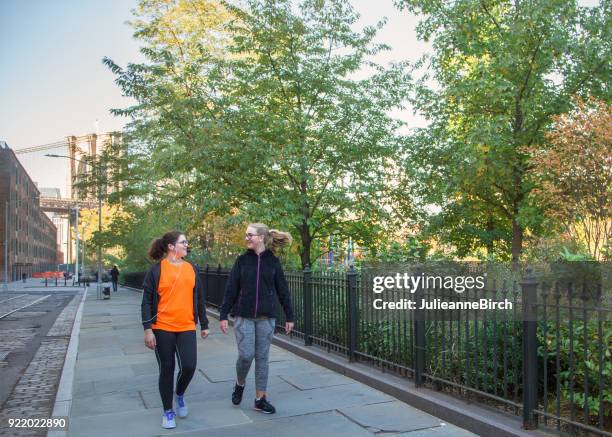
(53, 83)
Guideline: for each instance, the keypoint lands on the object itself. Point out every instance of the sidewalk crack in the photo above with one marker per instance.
(144, 404)
(205, 376)
(210, 380)
(369, 428)
(290, 383)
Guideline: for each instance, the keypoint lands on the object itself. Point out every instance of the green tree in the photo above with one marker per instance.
(153, 166)
(575, 174)
(501, 70)
(272, 127)
(133, 229)
(309, 145)
(164, 145)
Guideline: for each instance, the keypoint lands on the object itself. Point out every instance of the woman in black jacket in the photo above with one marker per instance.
(255, 281)
(114, 273)
(172, 304)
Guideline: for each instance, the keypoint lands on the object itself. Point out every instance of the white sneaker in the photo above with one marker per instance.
(181, 406)
(168, 420)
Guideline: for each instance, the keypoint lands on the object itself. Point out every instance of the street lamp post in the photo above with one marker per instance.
(83, 251)
(99, 254)
(76, 226)
(99, 286)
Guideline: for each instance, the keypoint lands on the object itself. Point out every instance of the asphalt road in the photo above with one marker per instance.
(27, 313)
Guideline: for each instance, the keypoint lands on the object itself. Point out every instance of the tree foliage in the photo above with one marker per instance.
(315, 141)
(500, 71)
(574, 174)
(257, 115)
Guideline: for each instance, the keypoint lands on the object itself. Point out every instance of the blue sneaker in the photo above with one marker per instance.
(181, 406)
(168, 419)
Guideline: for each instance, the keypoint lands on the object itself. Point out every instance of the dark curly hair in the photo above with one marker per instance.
(159, 246)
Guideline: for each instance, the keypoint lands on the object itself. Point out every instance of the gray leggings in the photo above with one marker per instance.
(253, 337)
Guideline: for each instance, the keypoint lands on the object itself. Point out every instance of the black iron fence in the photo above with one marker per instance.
(132, 279)
(549, 358)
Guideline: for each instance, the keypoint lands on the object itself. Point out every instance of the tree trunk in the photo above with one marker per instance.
(306, 245)
(490, 240)
(305, 234)
(517, 243)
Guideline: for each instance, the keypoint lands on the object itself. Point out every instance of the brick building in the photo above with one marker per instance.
(32, 236)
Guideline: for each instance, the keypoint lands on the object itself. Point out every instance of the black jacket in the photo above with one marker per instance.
(252, 287)
(151, 297)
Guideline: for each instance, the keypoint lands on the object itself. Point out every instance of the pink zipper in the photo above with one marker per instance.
(257, 284)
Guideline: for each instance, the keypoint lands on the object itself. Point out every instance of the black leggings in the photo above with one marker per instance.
(183, 344)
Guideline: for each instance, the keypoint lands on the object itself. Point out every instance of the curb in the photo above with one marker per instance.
(477, 419)
(474, 418)
(63, 398)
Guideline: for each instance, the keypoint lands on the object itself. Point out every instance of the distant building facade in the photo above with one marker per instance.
(32, 236)
(61, 223)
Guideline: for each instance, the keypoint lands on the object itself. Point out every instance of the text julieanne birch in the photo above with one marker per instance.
(410, 284)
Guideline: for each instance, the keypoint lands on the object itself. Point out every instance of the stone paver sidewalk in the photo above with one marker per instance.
(115, 389)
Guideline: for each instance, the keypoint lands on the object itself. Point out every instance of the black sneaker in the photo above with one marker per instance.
(264, 406)
(237, 394)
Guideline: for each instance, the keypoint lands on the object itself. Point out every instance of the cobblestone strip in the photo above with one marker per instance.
(14, 340)
(63, 324)
(34, 394)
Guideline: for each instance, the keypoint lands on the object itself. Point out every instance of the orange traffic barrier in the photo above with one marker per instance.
(59, 275)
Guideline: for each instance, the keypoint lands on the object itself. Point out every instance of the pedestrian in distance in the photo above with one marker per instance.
(172, 304)
(256, 280)
(114, 273)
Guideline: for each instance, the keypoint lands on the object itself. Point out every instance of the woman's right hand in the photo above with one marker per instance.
(149, 339)
(223, 326)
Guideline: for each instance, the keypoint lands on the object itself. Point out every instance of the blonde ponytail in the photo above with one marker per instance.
(278, 239)
(273, 238)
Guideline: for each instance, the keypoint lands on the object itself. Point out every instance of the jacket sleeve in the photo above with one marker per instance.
(232, 289)
(146, 308)
(201, 299)
(282, 289)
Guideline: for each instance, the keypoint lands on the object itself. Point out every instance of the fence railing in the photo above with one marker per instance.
(550, 358)
(132, 279)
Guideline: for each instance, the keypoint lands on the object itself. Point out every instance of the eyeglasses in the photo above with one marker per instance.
(249, 236)
(184, 242)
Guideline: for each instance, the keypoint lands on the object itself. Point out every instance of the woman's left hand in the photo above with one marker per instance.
(289, 327)
(204, 333)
